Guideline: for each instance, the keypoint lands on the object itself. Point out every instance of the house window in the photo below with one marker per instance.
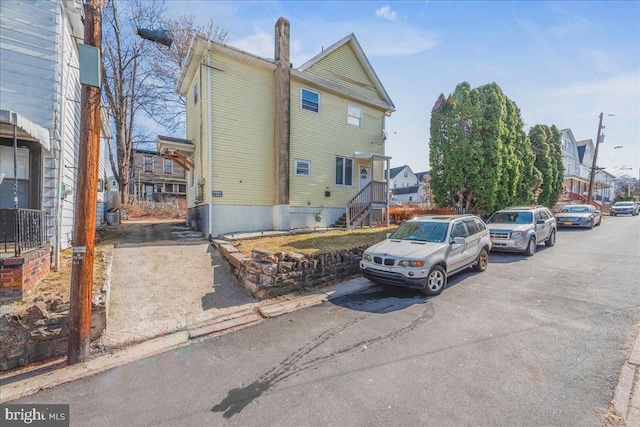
(195, 93)
(302, 167)
(344, 171)
(406, 174)
(148, 164)
(354, 115)
(310, 100)
(167, 166)
(158, 188)
(100, 185)
(182, 188)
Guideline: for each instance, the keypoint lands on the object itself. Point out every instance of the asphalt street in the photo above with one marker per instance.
(531, 341)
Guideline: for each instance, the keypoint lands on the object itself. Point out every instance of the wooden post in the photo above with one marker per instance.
(594, 163)
(84, 229)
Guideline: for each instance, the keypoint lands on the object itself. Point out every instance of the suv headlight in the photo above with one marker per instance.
(517, 234)
(407, 263)
(367, 257)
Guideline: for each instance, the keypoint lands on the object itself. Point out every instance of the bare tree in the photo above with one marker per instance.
(142, 75)
(162, 103)
(123, 77)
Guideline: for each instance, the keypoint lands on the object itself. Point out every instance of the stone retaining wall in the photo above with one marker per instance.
(41, 333)
(267, 274)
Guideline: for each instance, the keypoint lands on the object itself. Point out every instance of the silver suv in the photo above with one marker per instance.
(423, 252)
(522, 228)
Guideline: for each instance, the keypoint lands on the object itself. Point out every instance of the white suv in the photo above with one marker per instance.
(423, 252)
(522, 228)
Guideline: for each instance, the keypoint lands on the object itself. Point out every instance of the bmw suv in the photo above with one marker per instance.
(522, 228)
(423, 252)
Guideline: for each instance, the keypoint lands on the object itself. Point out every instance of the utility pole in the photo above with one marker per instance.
(84, 233)
(595, 161)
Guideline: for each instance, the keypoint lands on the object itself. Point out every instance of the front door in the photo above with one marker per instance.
(365, 176)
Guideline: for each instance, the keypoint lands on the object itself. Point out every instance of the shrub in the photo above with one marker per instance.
(399, 215)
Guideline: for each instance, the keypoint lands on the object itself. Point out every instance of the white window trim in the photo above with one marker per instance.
(312, 91)
(359, 125)
(144, 164)
(344, 169)
(164, 164)
(295, 167)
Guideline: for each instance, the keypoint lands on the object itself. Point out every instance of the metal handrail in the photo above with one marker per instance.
(21, 229)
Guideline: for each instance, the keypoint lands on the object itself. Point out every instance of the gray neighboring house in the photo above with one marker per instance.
(40, 94)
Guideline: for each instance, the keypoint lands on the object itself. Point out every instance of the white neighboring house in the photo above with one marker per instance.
(40, 94)
(402, 176)
(577, 158)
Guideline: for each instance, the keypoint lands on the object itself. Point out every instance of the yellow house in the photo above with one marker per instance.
(272, 147)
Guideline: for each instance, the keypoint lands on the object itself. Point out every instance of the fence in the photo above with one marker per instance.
(21, 230)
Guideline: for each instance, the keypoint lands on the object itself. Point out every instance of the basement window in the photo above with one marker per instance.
(302, 167)
(309, 100)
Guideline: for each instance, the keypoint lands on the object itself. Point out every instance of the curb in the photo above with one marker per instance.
(622, 393)
(219, 326)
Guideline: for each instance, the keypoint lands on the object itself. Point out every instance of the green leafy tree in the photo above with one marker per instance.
(546, 144)
(480, 156)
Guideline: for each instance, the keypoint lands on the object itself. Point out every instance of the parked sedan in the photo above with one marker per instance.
(578, 216)
(423, 252)
(623, 208)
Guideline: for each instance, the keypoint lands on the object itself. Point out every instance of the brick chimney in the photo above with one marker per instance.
(282, 111)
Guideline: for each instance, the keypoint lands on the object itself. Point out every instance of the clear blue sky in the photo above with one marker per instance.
(562, 62)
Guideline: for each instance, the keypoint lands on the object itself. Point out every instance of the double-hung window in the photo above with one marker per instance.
(167, 166)
(354, 115)
(302, 167)
(344, 171)
(148, 164)
(309, 100)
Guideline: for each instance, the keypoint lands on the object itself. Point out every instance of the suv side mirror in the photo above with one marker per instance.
(388, 234)
(459, 240)
(540, 221)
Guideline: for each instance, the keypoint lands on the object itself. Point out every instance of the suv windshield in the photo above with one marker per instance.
(576, 209)
(623, 204)
(421, 231)
(511, 218)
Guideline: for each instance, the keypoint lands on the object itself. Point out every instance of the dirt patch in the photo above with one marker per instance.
(315, 243)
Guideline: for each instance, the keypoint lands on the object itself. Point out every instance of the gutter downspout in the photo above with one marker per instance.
(59, 151)
(210, 141)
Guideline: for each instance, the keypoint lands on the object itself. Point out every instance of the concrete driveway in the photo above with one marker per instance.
(163, 278)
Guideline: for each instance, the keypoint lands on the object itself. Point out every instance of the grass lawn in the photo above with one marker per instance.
(315, 243)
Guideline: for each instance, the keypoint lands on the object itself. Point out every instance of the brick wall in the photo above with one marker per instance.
(19, 275)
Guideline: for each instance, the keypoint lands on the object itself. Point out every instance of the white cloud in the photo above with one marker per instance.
(260, 43)
(386, 13)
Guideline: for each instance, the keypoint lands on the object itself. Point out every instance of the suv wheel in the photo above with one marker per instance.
(436, 281)
(552, 238)
(531, 247)
(482, 261)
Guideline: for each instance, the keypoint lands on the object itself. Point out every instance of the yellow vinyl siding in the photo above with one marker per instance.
(343, 67)
(320, 137)
(242, 133)
(194, 121)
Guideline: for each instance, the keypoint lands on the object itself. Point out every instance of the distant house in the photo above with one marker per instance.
(577, 158)
(40, 95)
(156, 178)
(276, 147)
(402, 176)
